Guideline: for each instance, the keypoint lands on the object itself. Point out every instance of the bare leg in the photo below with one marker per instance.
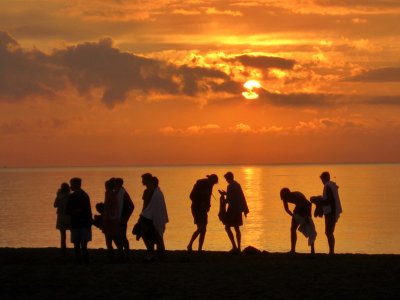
(293, 236)
(202, 236)
(331, 243)
(124, 240)
(238, 237)
(201, 240)
(193, 238)
(230, 236)
(120, 248)
(110, 248)
(63, 235)
(330, 224)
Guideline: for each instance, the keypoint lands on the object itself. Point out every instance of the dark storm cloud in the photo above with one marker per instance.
(264, 62)
(389, 74)
(99, 65)
(24, 73)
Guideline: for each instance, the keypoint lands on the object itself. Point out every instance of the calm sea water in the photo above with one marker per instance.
(369, 193)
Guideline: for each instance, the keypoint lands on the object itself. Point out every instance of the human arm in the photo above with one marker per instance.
(286, 207)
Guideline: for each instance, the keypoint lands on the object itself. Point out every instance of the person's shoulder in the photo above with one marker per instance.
(299, 195)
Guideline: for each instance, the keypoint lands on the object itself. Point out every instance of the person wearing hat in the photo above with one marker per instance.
(201, 203)
(237, 205)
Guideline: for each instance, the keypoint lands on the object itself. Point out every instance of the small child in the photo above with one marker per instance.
(98, 219)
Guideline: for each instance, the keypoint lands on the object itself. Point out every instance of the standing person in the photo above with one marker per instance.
(154, 218)
(301, 217)
(237, 205)
(111, 220)
(331, 208)
(126, 208)
(201, 203)
(63, 220)
(79, 209)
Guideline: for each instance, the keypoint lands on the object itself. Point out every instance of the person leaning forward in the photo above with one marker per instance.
(301, 217)
(201, 203)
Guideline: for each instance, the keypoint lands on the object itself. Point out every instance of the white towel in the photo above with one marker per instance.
(334, 188)
(306, 228)
(156, 211)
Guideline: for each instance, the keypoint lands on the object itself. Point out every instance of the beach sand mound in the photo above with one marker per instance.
(44, 274)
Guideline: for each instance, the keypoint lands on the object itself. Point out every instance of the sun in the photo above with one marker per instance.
(250, 85)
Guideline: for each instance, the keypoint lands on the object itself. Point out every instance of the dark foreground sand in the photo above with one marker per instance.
(43, 274)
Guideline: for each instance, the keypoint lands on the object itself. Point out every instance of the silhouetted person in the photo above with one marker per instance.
(154, 218)
(126, 208)
(201, 203)
(63, 219)
(236, 206)
(301, 217)
(330, 206)
(98, 219)
(79, 209)
(111, 220)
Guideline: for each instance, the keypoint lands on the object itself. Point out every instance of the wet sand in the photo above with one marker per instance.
(44, 274)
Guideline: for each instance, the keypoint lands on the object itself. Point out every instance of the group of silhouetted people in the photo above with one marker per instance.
(327, 205)
(74, 213)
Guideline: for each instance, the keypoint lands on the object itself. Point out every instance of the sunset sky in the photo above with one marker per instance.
(102, 82)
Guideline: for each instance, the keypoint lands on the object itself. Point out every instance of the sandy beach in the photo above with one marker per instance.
(43, 274)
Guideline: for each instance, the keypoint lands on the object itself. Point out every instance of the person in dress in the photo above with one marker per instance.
(111, 220)
(154, 218)
(330, 206)
(63, 219)
(80, 211)
(201, 203)
(237, 205)
(301, 217)
(126, 208)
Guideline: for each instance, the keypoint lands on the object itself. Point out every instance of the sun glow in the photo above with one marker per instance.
(250, 85)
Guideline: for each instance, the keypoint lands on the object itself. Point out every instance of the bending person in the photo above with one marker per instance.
(201, 203)
(301, 217)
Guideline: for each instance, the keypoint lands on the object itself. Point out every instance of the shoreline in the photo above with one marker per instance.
(42, 272)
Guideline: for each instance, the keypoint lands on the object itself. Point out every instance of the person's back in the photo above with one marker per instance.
(78, 208)
(302, 205)
(235, 198)
(201, 194)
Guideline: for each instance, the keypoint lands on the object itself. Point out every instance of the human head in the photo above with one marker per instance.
(285, 192)
(110, 184)
(119, 182)
(155, 181)
(75, 183)
(146, 179)
(213, 178)
(325, 177)
(100, 207)
(229, 176)
(64, 188)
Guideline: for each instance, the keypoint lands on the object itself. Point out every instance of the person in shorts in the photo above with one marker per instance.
(201, 203)
(237, 205)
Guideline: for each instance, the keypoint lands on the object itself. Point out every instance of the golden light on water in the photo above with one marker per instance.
(250, 85)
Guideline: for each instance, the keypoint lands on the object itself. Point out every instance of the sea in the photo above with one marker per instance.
(370, 197)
